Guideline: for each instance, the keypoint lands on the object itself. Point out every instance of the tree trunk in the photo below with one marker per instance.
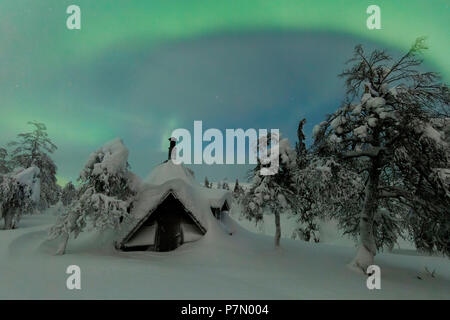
(9, 219)
(278, 229)
(62, 247)
(367, 248)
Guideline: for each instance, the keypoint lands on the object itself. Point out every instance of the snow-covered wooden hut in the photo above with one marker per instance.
(172, 209)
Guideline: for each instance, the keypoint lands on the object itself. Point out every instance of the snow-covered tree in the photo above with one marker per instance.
(307, 216)
(68, 193)
(326, 189)
(237, 187)
(19, 194)
(4, 166)
(207, 183)
(225, 185)
(238, 191)
(387, 136)
(309, 211)
(107, 189)
(300, 145)
(275, 193)
(33, 149)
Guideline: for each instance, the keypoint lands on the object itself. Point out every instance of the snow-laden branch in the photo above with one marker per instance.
(372, 152)
(393, 192)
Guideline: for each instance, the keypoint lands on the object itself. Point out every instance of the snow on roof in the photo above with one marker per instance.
(170, 178)
(134, 182)
(169, 171)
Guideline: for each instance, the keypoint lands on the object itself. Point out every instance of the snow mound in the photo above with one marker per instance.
(170, 171)
(135, 182)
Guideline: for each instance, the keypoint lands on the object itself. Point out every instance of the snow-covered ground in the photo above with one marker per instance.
(242, 266)
(329, 231)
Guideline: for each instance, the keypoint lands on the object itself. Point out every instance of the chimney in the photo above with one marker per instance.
(173, 142)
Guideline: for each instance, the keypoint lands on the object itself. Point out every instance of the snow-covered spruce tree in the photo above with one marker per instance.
(237, 187)
(238, 191)
(300, 146)
(4, 166)
(19, 194)
(68, 193)
(33, 149)
(107, 189)
(274, 194)
(309, 212)
(207, 183)
(390, 132)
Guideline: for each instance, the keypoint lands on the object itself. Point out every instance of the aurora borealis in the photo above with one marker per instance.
(139, 69)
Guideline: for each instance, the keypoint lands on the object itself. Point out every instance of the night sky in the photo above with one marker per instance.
(139, 69)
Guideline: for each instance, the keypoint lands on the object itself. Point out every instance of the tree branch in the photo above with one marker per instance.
(393, 192)
(371, 153)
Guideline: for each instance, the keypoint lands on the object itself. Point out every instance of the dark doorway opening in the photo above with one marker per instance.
(168, 234)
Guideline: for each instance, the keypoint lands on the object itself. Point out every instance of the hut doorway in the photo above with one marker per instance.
(168, 233)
